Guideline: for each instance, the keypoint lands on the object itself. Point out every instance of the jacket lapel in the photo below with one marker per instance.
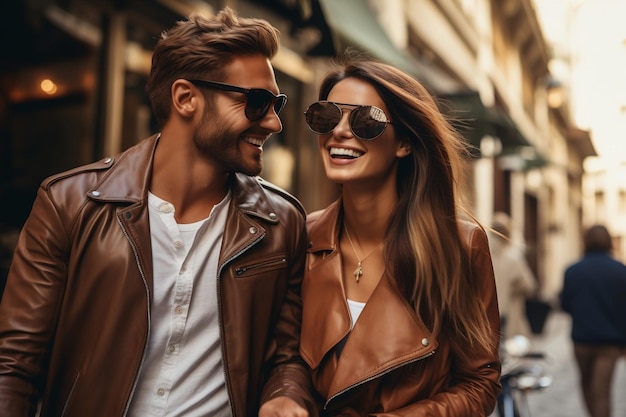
(387, 334)
(325, 317)
(249, 210)
(127, 181)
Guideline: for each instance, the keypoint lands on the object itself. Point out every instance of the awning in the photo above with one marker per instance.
(500, 125)
(473, 120)
(581, 141)
(468, 115)
(353, 24)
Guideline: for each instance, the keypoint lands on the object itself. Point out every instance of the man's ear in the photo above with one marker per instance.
(184, 98)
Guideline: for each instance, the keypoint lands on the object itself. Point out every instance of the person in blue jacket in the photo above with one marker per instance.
(594, 294)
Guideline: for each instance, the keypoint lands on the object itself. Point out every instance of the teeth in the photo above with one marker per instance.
(345, 152)
(254, 141)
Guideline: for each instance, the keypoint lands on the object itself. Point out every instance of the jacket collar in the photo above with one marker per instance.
(323, 227)
(128, 180)
(128, 177)
(387, 334)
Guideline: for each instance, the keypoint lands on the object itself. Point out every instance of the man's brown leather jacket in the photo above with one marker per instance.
(75, 317)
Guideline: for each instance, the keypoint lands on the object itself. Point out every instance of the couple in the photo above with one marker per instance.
(171, 281)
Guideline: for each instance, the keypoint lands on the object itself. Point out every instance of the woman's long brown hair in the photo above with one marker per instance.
(429, 258)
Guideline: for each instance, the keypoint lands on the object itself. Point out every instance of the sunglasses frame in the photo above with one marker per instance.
(354, 106)
(280, 98)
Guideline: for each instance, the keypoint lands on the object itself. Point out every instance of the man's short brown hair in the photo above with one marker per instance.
(200, 47)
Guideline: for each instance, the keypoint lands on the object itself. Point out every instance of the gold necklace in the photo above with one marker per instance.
(358, 272)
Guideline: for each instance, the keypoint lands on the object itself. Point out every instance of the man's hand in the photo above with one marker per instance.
(282, 407)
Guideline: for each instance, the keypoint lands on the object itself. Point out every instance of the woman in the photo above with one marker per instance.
(400, 312)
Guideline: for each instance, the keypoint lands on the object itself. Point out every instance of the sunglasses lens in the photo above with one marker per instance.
(322, 117)
(368, 122)
(280, 103)
(259, 101)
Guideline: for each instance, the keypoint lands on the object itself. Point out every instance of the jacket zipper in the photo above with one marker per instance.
(276, 261)
(371, 378)
(219, 309)
(145, 348)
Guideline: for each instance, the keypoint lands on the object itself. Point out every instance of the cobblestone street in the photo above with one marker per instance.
(563, 397)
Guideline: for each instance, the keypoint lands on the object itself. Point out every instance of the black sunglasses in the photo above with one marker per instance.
(366, 122)
(258, 100)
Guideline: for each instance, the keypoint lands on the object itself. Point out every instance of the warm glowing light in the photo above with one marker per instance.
(48, 86)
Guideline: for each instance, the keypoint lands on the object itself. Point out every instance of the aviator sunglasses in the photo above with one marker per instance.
(366, 122)
(258, 100)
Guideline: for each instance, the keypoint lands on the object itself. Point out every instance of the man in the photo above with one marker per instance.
(594, 291)
(166, 281)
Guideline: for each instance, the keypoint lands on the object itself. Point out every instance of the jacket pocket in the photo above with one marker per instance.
(261, 266)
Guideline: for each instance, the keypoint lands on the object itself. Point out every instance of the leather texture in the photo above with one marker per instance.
(75, 317)
(390, 363)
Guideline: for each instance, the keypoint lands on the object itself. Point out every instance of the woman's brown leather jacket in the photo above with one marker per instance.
(75, 317)
(390, 365)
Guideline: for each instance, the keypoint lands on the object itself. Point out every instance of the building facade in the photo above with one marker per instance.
(73, 92)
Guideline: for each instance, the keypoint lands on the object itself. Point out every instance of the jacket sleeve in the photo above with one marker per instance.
(288, 375)
(28, 309)
(476, 385)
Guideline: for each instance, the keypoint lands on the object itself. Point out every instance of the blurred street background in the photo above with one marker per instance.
(563, 397)
(536, 87)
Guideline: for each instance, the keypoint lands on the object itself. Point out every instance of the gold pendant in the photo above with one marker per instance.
(358, 272)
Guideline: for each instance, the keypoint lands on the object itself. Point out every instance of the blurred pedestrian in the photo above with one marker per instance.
(594, 294)
(165, 281)
(399, 301)
(515, 282)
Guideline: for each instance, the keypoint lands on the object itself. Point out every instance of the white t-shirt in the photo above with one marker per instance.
(356, 307)
(182, 373)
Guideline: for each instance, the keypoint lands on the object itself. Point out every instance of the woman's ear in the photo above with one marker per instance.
(404, 150)
(184, 98)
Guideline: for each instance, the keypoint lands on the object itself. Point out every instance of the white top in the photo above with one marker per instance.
(356, 307)
(182, 373)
